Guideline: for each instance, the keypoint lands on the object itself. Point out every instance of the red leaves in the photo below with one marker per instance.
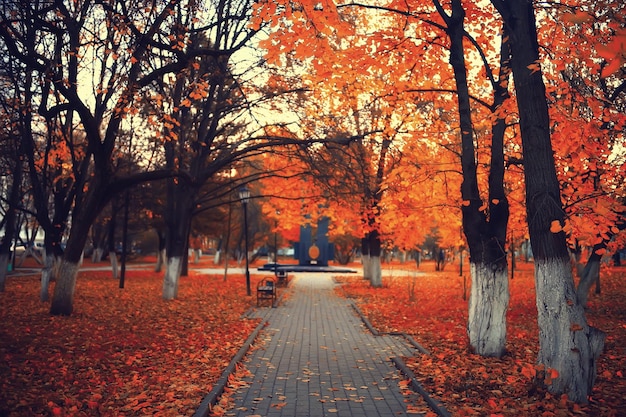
(123, 351)
(470, 385)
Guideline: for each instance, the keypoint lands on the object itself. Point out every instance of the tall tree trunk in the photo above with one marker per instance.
(83, 217)
(63, 298)
(486, 235)
(161, 256)
(47, 272)
(5, 259)
(178, 219)
(567, 343)
(589, 275)
(372, 269)
(488, 304)
(365, 259)
(10, 218)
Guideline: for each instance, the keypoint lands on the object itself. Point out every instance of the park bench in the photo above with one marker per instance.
(282, 278)
(266, 291)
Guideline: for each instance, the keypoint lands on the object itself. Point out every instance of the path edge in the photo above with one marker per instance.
(417, 387)
(209, 400)
(402, 367)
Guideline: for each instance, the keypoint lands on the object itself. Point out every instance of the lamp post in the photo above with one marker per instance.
(276, 245)
(244, 196)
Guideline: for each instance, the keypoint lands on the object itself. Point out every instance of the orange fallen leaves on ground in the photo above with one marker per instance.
(430, 307)
(123, 351)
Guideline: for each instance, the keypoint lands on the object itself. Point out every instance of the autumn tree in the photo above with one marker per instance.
(208, 115)
(89, 62)
(519, 25)
(586, 96)
(567, 343)
(12, 166)
(373, 104)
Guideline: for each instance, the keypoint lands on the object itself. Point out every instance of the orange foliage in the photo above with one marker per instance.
(584, 41)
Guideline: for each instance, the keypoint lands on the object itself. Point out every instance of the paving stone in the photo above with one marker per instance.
(316, 358)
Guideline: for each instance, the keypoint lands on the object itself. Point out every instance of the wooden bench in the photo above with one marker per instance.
(266, 291)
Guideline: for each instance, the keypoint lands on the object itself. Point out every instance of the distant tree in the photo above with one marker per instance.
(12, 113)
(88, 61)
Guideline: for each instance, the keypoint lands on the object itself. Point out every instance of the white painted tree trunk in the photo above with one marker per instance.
(4, 267)
(96, 255)
(376, 273)
(63, 298)
(567, 343)
(488, 303)
(588, 276)
(114, 267)
(366, 262)
(47, 272)
(217, 257)
(197, 254)
(170, 280)
(160, 260)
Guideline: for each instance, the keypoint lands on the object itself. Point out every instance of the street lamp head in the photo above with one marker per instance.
(244, 195)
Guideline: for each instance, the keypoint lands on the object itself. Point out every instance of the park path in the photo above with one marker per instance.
(315, 358)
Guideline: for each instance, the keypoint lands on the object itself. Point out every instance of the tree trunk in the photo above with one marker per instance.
(178, 219)
(9, 221)
(96, 255)
(376, 278)
(161, 258)
(485, 234)
(589, 275)
(47, 272)
(4, 267)
(366, 262)
(160, 261)
(488, 303)
(371, 249)
(84, 215)
(567, 343)
(63, 298)
(171, 278)
(115, 272)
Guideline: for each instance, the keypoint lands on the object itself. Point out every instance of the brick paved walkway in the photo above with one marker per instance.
(315, 358)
